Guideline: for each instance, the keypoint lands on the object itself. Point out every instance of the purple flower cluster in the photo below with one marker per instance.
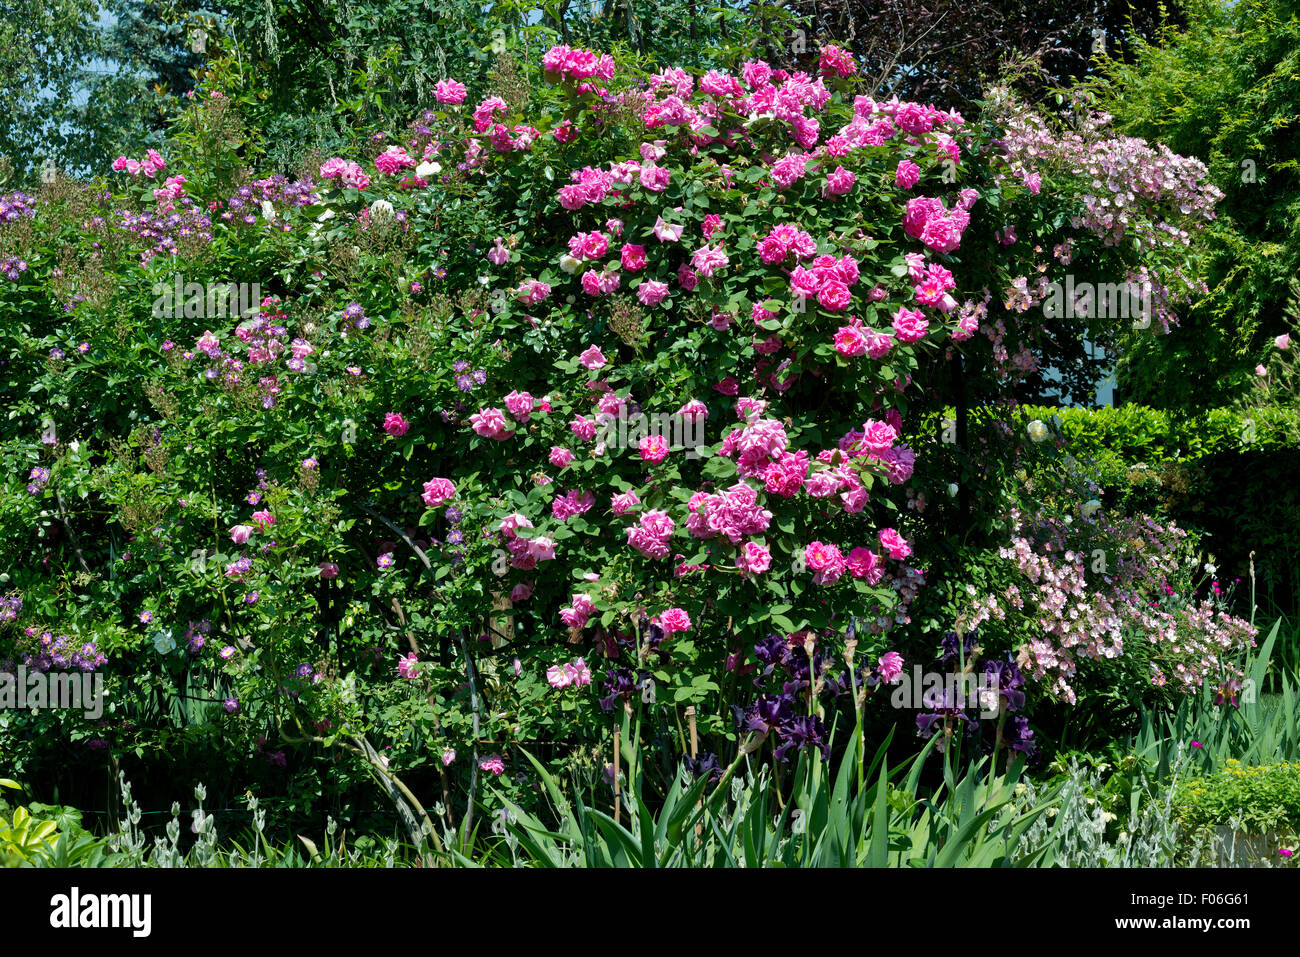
(248, 202)
(15, 205)
(12, 267)
(160, 231)
(62, 652)
(39, 476)
(10, 606)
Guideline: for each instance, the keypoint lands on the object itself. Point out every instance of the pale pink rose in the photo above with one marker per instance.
(263, 519)
(407, 667)
(592, 358)
(667, 233)
(519, 405)
(894, 543)
(240, 533)
(437, 491)
(624, 502)
(651, 292)
(1283, 341)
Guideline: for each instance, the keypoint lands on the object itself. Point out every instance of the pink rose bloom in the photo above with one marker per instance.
(878, 436)
(557, 676)
(541, 549)
(849, 341)
(753, 559)
(560, 456)
(894, 543)
(592, 358)
(263, 519)
(498, 255)
(354, 177)
(623, 503)
(393, 160)
(707, 260)
(406, 667)
(693, 410)
(674, 619)
(633, 257)
(910, 325)
(532, 292)
(826, 562)
(395, 425)
(240, 533)
(438, 491)
(578, 672)
(329, 570)
(772, 250)
(890, 666)
(493, 764)
(519, 405)
(687, 278)
(728, 386)
(1260, 370)
(591, 245)
(449, 91)
(651, 292)
(864, 563)
(448, 756)
(521, 592)
(654, 448)
(1283, 341)
(666, 233)
(584, 428)
(840, 182)
(490, 423)
(834, 296)
(907, 175)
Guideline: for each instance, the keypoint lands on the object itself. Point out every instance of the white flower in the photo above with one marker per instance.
(268, 209)
(381, 211)
(427, 170)
(1089, 508)
(952, 489)
(570, 264)
(164, 643)
(325, 216)
(1037, 430)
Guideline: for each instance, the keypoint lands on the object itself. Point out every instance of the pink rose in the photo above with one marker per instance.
(592, 358)
(894, 543)
(652, 292)
(633, 257)
(437, 491)
(753, 559)
(240, 533)
(395, 425)
(674, 619)
(519, 405)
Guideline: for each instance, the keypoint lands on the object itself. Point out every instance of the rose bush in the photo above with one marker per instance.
(604, 398)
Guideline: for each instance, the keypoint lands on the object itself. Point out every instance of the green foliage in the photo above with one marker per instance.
(1225, 89)
(1258, 798)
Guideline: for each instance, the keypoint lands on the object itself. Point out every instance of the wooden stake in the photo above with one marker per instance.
(690, 718)
(617, 794)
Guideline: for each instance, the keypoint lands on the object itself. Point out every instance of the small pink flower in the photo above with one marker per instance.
(674, 619)
(263, 519)
(240, 533)
(492, 763)
(890, 666)
(1260, 370)
(437, 491)
(329, 570)
(654, 448)
(406, 667)
(448, 756)
(592, 358)
(560, 456)
(1283, 341)
(395, 425)
(385, 561)
(894, 543)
